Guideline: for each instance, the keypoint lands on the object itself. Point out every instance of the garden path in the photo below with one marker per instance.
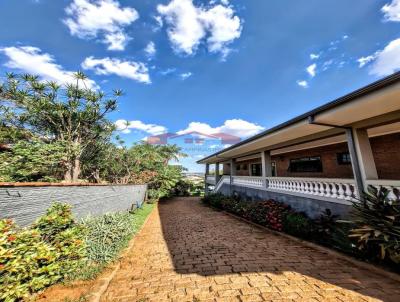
(190, 252)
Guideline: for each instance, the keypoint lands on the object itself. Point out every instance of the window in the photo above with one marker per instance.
(343, 158)
(256, 170)
(237, 167)
(273, 168)
(244, 167)
(306, 164)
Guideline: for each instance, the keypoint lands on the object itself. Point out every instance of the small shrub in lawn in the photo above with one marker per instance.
(107, 235)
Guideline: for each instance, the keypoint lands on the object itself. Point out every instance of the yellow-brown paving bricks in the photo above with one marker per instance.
(189, 252)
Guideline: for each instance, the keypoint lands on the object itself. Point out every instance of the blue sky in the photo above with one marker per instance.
(223, 66)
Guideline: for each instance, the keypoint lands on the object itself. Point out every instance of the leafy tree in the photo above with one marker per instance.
(71, 114)
(32, 160)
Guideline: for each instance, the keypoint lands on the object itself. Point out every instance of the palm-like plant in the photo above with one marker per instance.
(377, 224)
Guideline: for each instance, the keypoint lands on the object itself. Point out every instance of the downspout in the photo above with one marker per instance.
(355, 162)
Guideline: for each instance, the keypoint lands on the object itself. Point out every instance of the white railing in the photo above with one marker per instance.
(324, 187)
(329, 188)
(223, 180)
(393, 186)
(210, 179)
(248, 181)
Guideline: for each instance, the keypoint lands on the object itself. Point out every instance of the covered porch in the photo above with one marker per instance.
(331, 154)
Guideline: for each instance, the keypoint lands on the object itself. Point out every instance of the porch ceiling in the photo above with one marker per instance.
(374, 110)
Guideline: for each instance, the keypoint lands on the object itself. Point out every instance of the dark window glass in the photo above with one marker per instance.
(343, 158)
(273, 168)
(237, 167)
(256, 169)
(244, 167)
(306, 164)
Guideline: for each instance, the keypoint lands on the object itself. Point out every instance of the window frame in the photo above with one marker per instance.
(317, 169)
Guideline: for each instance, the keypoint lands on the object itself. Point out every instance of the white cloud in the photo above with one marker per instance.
(188, 25)
(384, 62)
(168, 71)
(88, 19)
(126, 126)
(327, 64)
(314, 56)
(302, 83)
(311, 70)
(345, 37)
(387, 60)
(237, 127)
(32, 60)
(128, 69)
(185, 75)
(392, 11)
(150, 49)
(365, 60)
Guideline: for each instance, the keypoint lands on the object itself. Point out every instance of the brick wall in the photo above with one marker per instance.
(25, 204)
(328, 154)
(386, 150)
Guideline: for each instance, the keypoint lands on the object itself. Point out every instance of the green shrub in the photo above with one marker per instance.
(376, 225)
(34, 258)
(298, 224)
(107, 235)
(27, 263)
(58, 218)
(58, 228)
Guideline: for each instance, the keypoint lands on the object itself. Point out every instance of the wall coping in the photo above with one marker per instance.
(58, 184)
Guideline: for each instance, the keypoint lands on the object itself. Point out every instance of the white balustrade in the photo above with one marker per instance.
(210, 179)
(332, 188)
(393, 187)
(248, 181)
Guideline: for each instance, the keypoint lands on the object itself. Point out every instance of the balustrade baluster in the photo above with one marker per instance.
(327, 189)
(334, 191)
(341, 191)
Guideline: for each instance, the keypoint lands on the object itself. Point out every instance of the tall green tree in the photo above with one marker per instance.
(73, 115)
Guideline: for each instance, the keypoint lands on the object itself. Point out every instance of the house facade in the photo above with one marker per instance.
(322, 159)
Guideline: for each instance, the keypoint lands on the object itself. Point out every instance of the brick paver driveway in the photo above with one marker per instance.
(188, 252)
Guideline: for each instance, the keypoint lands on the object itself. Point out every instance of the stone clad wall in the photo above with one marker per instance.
(25, 204)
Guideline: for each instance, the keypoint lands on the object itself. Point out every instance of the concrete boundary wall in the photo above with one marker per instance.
(24, 203)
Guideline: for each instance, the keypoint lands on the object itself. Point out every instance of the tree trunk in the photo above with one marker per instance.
(68, 175)
(73, 171)
(76, 170)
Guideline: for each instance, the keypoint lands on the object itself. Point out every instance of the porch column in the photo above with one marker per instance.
(266, 167)
(205, 179)
(216, 173)
(362, 159)
(233, 173)
(365, 155)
